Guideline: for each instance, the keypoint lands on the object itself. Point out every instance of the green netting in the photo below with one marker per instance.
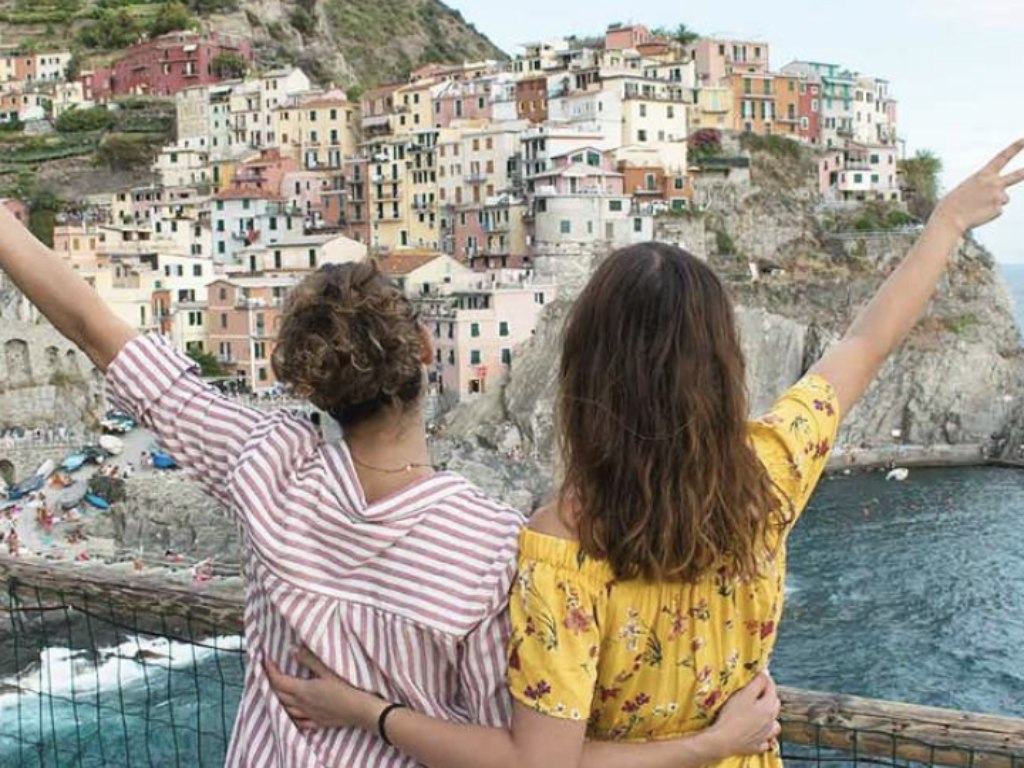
(94, 682)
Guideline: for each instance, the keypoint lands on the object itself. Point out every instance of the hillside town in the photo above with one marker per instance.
(466, 182)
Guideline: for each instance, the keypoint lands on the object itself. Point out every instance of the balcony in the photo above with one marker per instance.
(475, 178)
(647, 191)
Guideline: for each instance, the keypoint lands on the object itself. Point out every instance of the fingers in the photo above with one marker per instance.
(308, 659)
(279, 681)
(1012, 179)
(1000, 161)
(769, 685)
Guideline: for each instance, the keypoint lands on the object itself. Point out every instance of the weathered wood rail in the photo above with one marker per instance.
(867, 729)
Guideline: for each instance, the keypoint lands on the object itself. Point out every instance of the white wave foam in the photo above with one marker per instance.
(63, 671)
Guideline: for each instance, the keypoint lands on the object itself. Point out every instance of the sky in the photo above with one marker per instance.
(955, 65)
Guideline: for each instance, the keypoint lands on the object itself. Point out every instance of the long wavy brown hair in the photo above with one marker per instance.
(652, 417)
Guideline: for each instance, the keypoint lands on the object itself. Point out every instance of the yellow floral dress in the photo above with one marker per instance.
(644, 660)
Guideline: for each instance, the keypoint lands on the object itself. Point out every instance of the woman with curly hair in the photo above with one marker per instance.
(651, 588)
(395, 575)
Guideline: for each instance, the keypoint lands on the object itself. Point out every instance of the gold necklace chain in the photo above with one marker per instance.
(406, 468)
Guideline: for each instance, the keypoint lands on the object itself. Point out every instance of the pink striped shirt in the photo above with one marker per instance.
(405, 596)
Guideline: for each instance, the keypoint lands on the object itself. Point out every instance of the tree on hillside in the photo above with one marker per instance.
(172, 17)
(111, 30)
(229, 66)
(920, 175)
(77, 120)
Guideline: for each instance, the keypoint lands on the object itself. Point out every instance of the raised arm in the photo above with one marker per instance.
(66, 300)
(746, 725)
(852, 364)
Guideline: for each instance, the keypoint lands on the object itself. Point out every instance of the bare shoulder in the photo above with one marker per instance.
(549, 521)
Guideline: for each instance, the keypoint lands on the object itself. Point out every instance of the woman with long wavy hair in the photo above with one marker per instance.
(651, 588)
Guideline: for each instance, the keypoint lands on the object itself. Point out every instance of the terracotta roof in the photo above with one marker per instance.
(247, 194)
(404, 262)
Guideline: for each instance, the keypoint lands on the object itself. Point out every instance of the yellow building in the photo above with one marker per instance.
(414, 104)
(714, 109)
(318, 131)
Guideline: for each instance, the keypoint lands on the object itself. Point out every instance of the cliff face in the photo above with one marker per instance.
(953, 382)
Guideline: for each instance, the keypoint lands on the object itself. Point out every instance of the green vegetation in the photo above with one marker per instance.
(724, 243)
(681, 34)
(172, 17)
(208, 365)
(355, 93)
(777, 146)
(303, 21)
(32, 150)
(960, 324)
(229, 66)
(705, 144)
(872, 216)
(91, 119)
(111, 30)
(920, 175)
(127, 152)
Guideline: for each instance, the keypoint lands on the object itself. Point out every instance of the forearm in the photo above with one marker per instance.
(440, 744)
(66, 300)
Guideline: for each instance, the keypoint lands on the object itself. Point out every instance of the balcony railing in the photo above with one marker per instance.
(475, 178)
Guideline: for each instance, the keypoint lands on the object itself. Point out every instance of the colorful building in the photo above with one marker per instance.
(165, 65)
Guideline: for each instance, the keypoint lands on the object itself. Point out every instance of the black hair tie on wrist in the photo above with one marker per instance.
(382, 721)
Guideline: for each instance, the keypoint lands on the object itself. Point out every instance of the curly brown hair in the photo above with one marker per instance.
(652, 416)
(350, 342)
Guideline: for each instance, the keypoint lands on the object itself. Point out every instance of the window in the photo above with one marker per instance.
(259, 350)
(638, 225)
(474, 357)
(875, 160)
(263, 374)
(679, 182)
(874, 178)
(277, 260)
(451, 357)
(641, 136)
(503, 328)
(223, 294)
(474, 330)
(197, 270)
(643, 110)
(312, 258)
(858, 178)
(223, 319)
(615, 205)
(538, 298)
(506, 357)
(565, 226)
(273, 223)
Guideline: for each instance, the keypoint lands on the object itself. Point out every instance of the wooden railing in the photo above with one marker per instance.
(821, 727)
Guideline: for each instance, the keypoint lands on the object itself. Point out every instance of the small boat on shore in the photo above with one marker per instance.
(96, 501)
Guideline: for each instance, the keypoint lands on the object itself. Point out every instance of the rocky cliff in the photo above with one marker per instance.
(953, 382)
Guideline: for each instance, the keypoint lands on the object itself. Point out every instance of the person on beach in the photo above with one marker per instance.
(651, 588)
(395, 575)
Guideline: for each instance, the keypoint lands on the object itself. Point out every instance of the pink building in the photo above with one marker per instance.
(166, 65)
(717, 59)
(462, 100)
(619, 37)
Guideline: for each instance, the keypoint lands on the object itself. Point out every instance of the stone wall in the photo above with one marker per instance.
(44, 378)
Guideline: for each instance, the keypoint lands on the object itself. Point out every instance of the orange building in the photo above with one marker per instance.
(753, 101)
(648, 184)
(787, 106)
